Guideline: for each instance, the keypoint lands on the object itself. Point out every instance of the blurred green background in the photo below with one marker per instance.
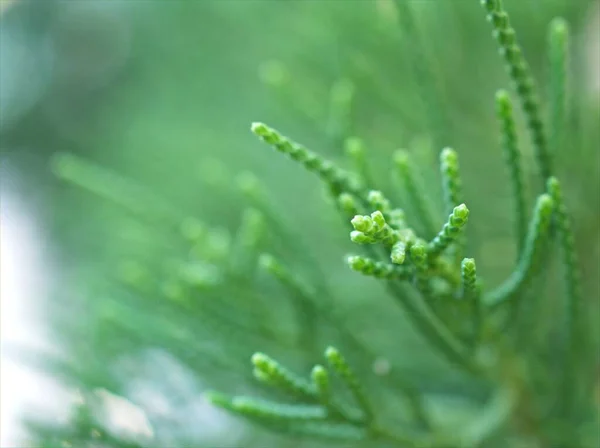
(163, 94)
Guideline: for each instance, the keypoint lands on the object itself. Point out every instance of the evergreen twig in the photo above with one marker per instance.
(520, 73)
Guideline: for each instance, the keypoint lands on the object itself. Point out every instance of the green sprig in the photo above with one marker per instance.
(267, 410)
(472, 292)
(452, 188)
(450, 232)
(530, 259)
(378, 269)
(512, 157)
(335, 177)
(520, 73)
(451, 180)
(339, 364)
(269, 370)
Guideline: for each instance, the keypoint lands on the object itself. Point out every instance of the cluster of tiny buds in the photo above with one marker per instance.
(372, 229)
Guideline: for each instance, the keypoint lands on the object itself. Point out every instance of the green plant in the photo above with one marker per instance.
(474, 328)
(480, 331)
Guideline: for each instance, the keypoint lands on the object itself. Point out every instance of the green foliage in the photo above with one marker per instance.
(255, 287)
(512, 156)
(519, 71)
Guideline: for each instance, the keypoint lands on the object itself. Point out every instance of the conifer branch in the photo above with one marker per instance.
(335, 177)
(339, 364)
(270, 371)
(520, 73)
(321, 418)
(453, 195)
(530, 259)
(450, 232)
(513, 161)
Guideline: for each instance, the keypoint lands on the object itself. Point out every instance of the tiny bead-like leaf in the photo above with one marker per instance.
(398, 254)
(372, 229)
(363, 224)
(469, 277)
(360, 238)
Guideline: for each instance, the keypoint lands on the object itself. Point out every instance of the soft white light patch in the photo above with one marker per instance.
(122, 417)
(172, 397)
(24, 284)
